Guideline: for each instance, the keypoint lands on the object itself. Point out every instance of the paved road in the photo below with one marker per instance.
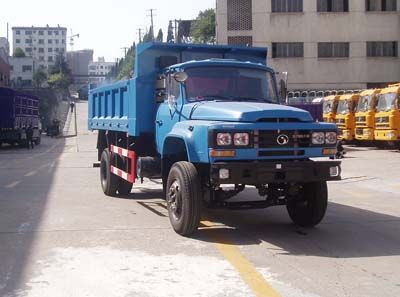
(60, 236)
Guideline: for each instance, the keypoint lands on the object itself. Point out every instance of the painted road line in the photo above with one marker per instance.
(33, 172)
(13, 184)
(246, 269)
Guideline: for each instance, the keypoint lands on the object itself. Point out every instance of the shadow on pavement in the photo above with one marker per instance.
(346, 232)
(26, 178)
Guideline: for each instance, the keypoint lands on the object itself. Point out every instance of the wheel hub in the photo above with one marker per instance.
(174, 199)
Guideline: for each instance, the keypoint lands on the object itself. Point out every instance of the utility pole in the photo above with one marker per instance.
(152, 23)
(124, 48)
(176, 22)
(140, 34)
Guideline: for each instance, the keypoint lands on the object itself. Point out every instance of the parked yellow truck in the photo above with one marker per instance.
(329, 108)
(365, 115)
(345, 116)
(387, 117)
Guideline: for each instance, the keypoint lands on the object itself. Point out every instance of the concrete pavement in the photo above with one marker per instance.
(60, 236)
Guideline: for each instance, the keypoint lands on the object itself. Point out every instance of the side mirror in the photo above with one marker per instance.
(181, 76)
(282, 89)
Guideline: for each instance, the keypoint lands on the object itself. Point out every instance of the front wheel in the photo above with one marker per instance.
(183, 193)
(308, 207)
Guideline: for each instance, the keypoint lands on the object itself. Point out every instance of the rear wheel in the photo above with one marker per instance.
(124, 187)
(109, 181)
(308, 208)
(183, 193)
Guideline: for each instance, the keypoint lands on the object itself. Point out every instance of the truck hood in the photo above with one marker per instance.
(245, 112)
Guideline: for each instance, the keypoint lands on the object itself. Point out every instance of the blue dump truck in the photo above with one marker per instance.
(18, 111)
(202, 117)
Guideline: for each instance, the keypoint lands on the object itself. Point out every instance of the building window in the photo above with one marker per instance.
(17, 40)
(28, 40)
(17, 32)
(240, 40)
(333, 50)
(382, 49)
(287, 50)
(63, 41)
(63, 32)
(28, 49)
(57, 41)
(50, 49)
(50, 41)
(41, 58)
(332, 5)
(41, 41)
(50, 59)
(49, 32)
(41, 32)
(380, 5)
(41, 50)
(239, 15)
(287, 5)
(26, 68)
(28, 32)
(56, 32)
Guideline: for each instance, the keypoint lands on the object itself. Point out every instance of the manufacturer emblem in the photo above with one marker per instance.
(282, 139)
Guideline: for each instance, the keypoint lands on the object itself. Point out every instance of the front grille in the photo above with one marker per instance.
(269, 139)
(382, 120)
(361, 119)
(359, 131)
(340, 121)
(382, 126)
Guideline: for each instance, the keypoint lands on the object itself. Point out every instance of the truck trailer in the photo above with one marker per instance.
(208, 121)
(18, 111)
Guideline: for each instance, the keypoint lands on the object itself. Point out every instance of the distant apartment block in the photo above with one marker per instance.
(43, 44)
(21, 71)
(99, 70)
(322, 44)
(78, 62)
(4, 68)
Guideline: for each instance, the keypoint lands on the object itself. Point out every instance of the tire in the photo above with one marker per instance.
(109, 181)
(184, 198)
(124, 187)
(308, 208)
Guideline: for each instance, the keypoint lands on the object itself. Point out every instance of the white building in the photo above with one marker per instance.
(322, 44)
(21, 71)
(43, 44)
(99, 70)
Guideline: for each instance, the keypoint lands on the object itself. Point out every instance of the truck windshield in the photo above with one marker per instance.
(364, 104)
(230, 84)
(329, 106)
(343, 107)
(386, 102)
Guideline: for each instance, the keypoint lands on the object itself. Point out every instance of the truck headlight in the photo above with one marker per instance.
(330, 137)
(241, 139)
(224, 139)
(318, 138)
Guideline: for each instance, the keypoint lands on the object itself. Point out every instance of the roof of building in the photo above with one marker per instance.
(39, 28)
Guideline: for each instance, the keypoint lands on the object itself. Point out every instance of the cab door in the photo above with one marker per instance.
(169, 111)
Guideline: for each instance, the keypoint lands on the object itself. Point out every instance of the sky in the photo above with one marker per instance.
(106, 26)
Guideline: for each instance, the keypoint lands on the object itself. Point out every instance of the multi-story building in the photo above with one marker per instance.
(322, 44)
(98, 70)
(21, 71)
(43, 44)
(78, 62)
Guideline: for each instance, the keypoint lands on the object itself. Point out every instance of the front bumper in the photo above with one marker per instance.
(365, 134)
(257, 173)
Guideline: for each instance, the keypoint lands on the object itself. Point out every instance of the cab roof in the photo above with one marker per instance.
(349, 97)
(332, 97)
(219, 62)
(391, 89)
(370, 92)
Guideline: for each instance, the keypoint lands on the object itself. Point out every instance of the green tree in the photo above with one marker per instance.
(60, 66)
(203, 29)
(160, 36)
(18, 53)
(59, 80)
(170, 34)
(39, 77)
(148, 37)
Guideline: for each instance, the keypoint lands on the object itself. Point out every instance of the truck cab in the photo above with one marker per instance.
(365, 115)
(208, 121)
(329, 107)
(387, 117)
(345, 116)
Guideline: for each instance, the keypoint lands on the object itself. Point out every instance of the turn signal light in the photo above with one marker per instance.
(220, 153)
(328, 152)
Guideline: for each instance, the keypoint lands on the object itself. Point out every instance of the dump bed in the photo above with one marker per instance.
(130, 106)
(17, 109)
